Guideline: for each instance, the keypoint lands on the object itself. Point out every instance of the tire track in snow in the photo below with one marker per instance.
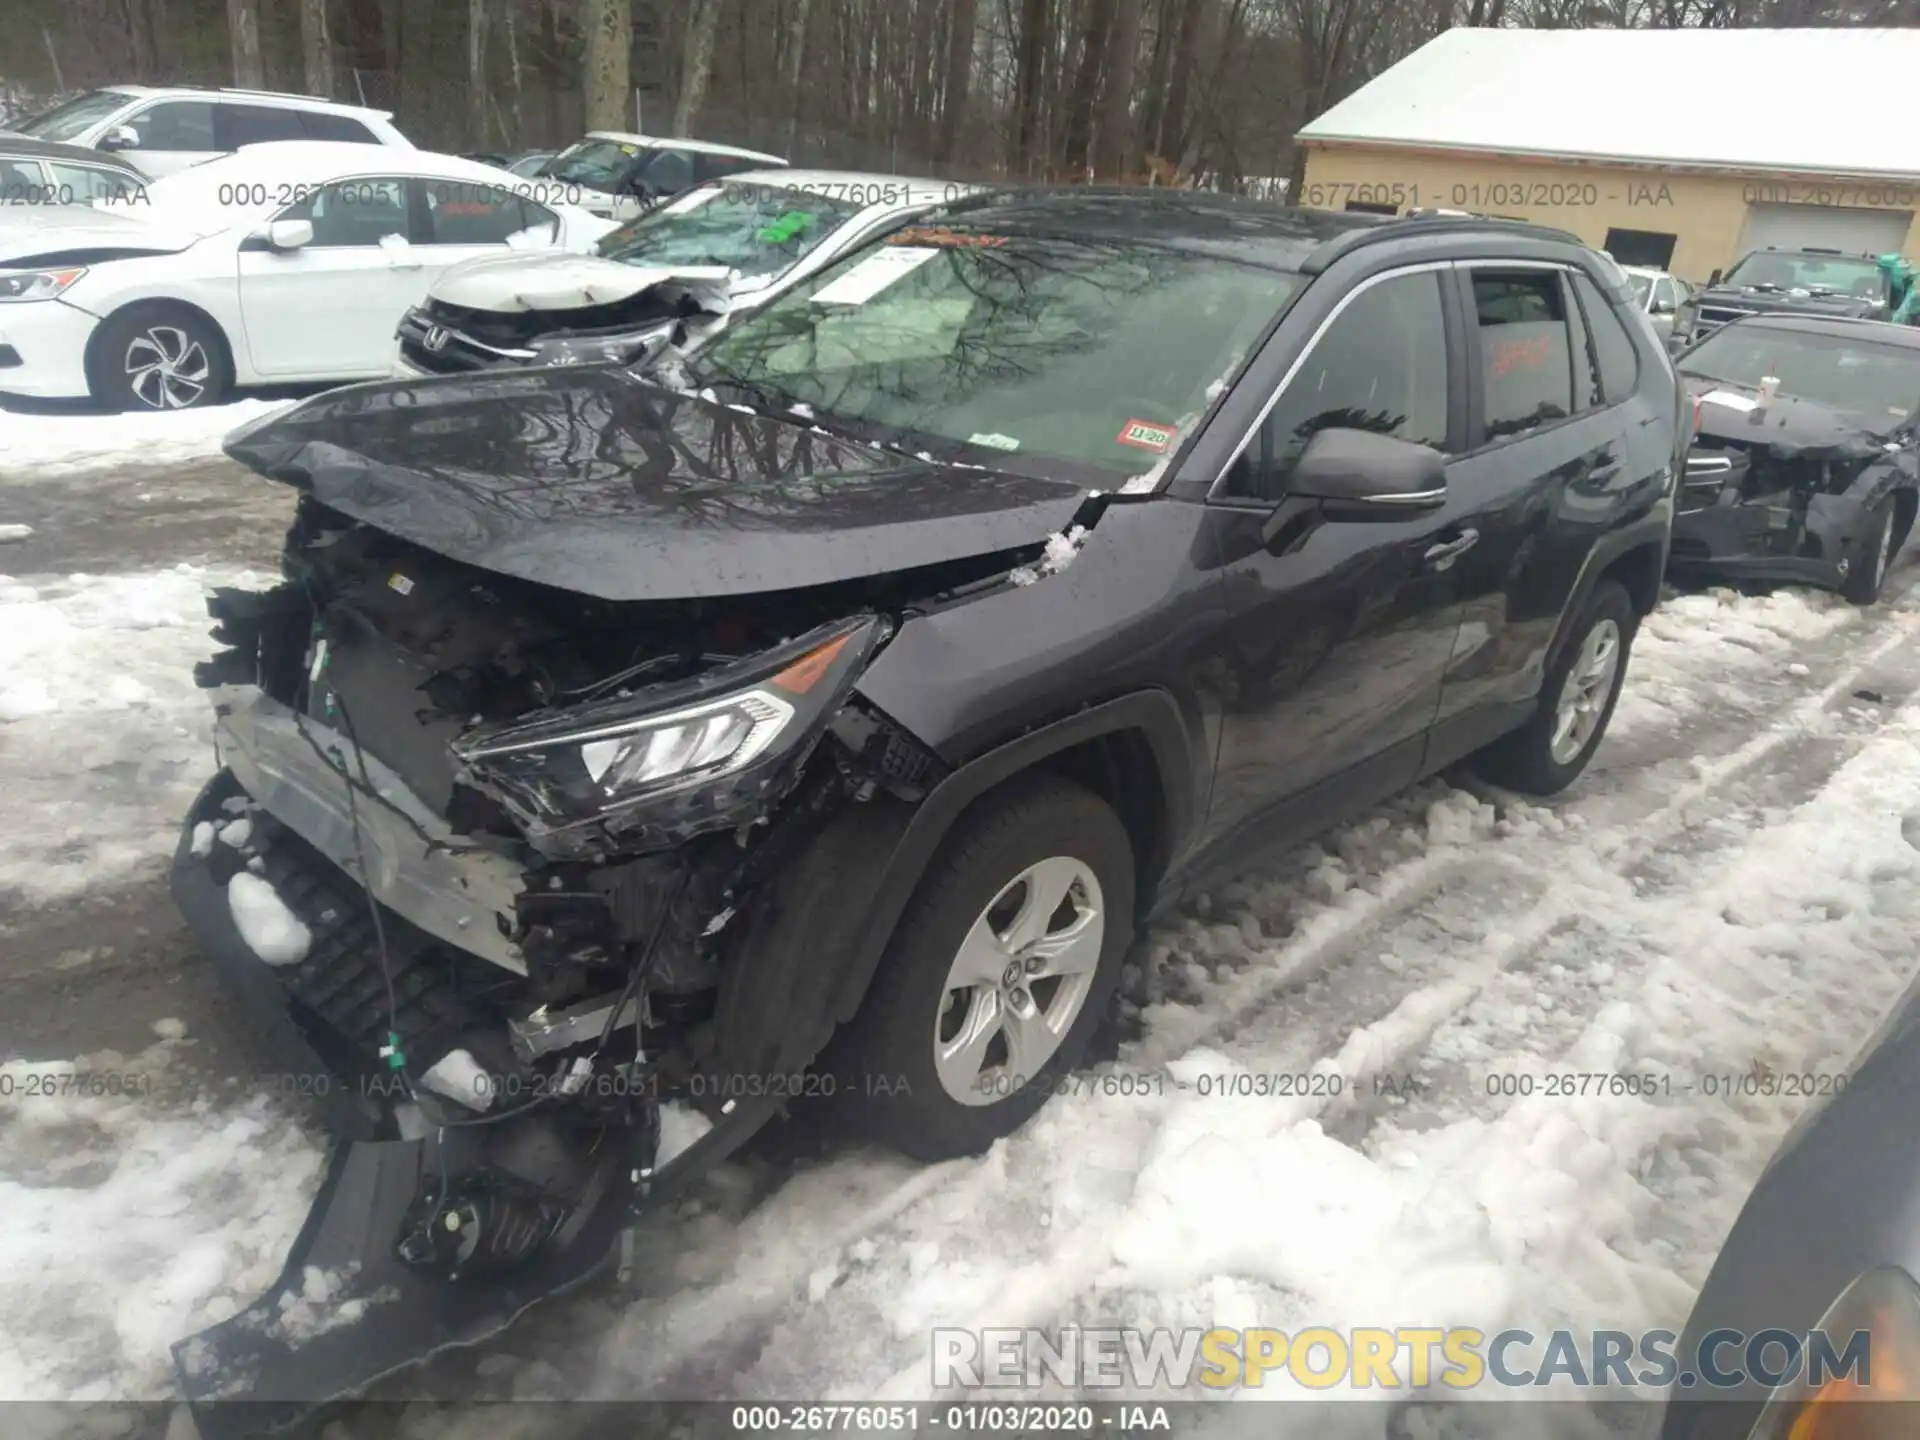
(1325, 938)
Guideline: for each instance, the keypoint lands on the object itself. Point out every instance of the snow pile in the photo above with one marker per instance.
(133, 1219)
(42, 445)
(15, 532)
(271, 930)
(105, 734)
(324, 1302)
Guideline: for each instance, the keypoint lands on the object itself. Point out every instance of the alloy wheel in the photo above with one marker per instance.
(167, 369)
(1584, 693)
(1019, 981)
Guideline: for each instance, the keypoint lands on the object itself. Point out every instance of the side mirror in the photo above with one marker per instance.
(290, 234)
(1714, 278)
(1358, 475)
(121, 137)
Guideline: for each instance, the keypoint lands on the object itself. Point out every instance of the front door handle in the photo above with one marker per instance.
(1442, 556)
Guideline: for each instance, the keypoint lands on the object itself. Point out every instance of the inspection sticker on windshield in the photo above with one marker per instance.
(1145, 435)
(872, 275)
(1730, 400)
(993, 441)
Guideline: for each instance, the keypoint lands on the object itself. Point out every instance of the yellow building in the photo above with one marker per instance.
(1682, 149)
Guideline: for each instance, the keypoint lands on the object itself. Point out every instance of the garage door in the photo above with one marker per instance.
(1826, 227)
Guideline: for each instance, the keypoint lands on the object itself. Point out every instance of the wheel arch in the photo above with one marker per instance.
(1635, 558)
(161, 302)
(781, 1001)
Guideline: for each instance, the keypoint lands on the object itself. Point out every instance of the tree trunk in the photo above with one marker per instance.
(515, 76)
(696, 64)
(477, 89)
(609, 43)
(243, 31)
(796, 69)
(1075, 152)
(316, 48)
(953, 108)
(1029, 73)
(1113, 156)
(1154, 104)
(1186, 57)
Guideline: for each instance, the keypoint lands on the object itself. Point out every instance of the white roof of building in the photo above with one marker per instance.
(1816, 102)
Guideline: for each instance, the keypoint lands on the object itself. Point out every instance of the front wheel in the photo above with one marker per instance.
(1004, 962)
(1864, 581)
(158, 357)
(1547, 754)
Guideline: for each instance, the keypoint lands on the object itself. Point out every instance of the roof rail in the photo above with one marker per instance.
(1435, 222)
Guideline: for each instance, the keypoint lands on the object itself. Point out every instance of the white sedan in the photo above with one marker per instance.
(285, 263)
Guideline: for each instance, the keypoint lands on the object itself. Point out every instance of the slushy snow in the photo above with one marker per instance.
(36, 446)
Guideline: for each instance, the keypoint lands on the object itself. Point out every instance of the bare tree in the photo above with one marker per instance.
(1029, 83)
(1113, 156)
(959, 75)
(243, 31)
(703, 17)
(609, 45)
(477, 90)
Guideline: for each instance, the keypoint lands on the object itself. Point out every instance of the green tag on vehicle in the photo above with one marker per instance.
(786, 227)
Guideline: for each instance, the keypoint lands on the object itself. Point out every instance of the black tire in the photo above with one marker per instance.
(146, 334)
(1523, 760)
(883, 1061)
(1868, 575)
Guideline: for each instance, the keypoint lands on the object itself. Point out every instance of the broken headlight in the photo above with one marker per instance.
(630, 348)
(707, 746)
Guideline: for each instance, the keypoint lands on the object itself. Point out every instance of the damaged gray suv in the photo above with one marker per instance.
(625, 758)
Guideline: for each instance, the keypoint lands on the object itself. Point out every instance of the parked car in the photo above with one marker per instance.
(618, 175)
(531, 163)
(1825, 1246)
(282, 264)
(834, 721)
(1661, 295)
(1800, 282)
(671, 277)
(164, 129)
(1807, 466)
(37, 173)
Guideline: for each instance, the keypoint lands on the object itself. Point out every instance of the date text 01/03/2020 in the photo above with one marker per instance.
(1498, 194)
(961, 1419)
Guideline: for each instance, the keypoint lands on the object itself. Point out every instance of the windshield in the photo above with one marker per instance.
(596, 164)
(756, 229)
(1096, 352)
(1641, 285)
(1876, 384)
(63, 122)
(1821, 274)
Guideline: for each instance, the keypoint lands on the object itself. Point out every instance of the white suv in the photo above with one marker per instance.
(162, 130)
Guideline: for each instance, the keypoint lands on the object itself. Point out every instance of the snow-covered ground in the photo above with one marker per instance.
(1727, 889)
(34, 444)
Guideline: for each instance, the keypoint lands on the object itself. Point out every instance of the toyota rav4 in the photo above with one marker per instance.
(625, 757)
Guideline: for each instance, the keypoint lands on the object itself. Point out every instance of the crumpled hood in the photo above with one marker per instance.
(593, 480)
(514, 284)
(1789, 426)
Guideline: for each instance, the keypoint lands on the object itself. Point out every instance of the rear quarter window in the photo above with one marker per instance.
(321, 126)
(1612, 347)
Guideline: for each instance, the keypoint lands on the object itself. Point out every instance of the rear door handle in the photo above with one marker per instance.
(1441, 556)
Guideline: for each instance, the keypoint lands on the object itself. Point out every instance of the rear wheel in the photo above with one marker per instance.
(1547, 754)
(158, 357)
(1865, 579)
(1001, 968)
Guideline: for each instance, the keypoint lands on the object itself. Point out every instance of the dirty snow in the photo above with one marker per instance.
(271, 930)
(103, 734)
(1061, 547)
(38, 445)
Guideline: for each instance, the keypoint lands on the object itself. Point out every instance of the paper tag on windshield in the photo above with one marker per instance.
(874, 274)
(994, 441)
(1730, 400)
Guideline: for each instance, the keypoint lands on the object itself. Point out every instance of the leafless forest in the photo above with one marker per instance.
(1126, 89)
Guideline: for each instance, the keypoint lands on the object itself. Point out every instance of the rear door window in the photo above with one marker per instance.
(321, 125)
(1526, 350)
(83, 184)
(239, 125)
(21, 182)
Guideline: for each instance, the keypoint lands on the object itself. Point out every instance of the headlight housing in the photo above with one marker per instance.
(1885, 1305)
(630, 348)
(671, 761)
(25, 285)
